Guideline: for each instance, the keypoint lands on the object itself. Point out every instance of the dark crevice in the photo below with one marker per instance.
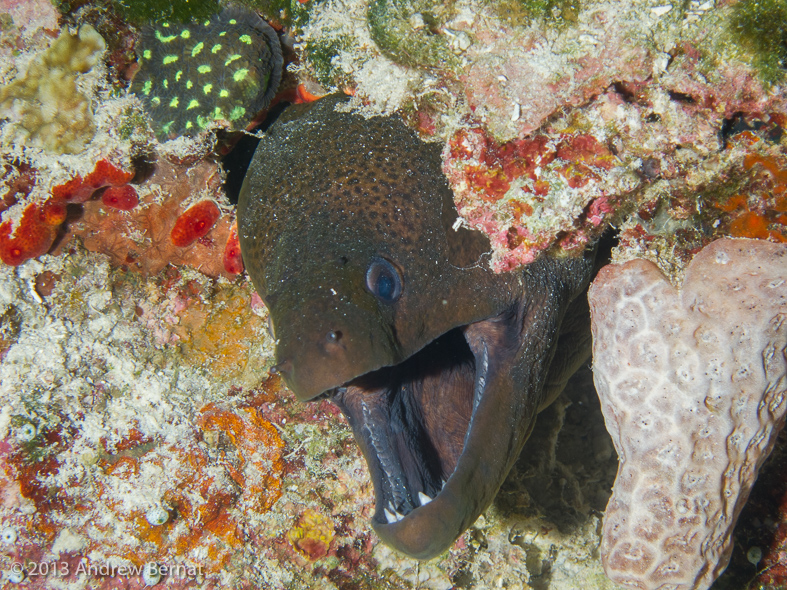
(738, 123)
(626, 94)
(237, 161)
(682, 97)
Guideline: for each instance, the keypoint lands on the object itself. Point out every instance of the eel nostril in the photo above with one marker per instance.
(283, 368)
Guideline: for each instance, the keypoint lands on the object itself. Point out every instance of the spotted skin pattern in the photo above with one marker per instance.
(217, 72)
(382, 302)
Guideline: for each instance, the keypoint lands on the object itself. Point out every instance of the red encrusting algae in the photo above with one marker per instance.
(32, 237)
(511, 190)
(500, 164)
(120, 197)
(233, 263)
(34, 234)
(79, 190)
(195, 222)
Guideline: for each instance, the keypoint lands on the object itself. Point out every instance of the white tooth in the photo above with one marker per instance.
(398, 516)
(424, 498)
(389, 516)
(443, 484)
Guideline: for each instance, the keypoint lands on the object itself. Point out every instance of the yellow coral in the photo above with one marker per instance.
(44, 105)
(221, 336)
(312, 535)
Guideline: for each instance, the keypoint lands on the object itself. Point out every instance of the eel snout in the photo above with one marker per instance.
(327, 348)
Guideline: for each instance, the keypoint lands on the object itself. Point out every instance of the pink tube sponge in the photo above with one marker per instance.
(692, 385)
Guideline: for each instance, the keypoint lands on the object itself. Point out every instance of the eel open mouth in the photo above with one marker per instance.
(416, 424)
(411, 420)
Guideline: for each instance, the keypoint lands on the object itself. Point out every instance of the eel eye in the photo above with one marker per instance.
(333, 336)
(384, 280)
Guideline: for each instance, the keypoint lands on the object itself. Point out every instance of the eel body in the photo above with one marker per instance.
(383, 303)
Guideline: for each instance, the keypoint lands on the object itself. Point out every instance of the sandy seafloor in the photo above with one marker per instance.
(129, 397)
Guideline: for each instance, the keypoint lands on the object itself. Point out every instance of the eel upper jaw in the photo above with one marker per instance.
(425, 502)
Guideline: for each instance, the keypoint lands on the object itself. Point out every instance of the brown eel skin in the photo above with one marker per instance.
(347, 229)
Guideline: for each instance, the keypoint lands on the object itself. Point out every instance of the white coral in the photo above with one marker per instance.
(692, 385)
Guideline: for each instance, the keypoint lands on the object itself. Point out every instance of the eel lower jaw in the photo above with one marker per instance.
(424, 502)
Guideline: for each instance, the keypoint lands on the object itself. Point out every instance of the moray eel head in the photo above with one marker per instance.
(383, 303)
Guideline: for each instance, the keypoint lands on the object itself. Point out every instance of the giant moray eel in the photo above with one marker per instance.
(381, 302)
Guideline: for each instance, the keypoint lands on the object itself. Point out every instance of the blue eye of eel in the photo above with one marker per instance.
(441, 368)
(384, 280)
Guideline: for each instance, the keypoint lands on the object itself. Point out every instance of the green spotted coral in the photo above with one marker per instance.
(218, 72)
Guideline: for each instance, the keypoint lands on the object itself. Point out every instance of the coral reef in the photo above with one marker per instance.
(216, 73)
(403, 32)
(131, 401)
(649, 89)
(106, 478)
(165, 228)
(51, 198)
(132, 385)
(93, 481)
(558, 119)
(25, 19)
(45, 107)
(494, 182)
(144, 231)
(692, 385)
(151, 394)
(753, 161)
